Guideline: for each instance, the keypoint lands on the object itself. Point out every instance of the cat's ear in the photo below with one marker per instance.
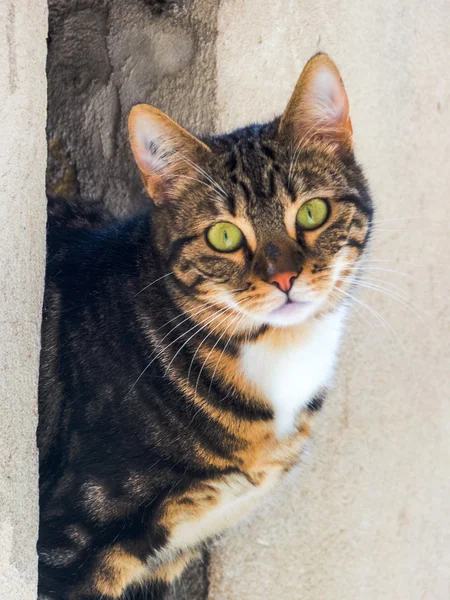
(166, 154)
(319, 105)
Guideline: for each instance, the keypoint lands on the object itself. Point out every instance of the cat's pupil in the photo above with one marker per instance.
(225, 236)
(309, 213)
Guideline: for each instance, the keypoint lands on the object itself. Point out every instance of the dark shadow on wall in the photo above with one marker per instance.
(104, 56)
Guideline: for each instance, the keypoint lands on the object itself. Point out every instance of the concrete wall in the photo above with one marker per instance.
(23, 30)
(368, 517)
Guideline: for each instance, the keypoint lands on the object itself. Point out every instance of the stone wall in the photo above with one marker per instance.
(104, 57)
(23, 27)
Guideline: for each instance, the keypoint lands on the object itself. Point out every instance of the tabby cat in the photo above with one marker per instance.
(186, 350)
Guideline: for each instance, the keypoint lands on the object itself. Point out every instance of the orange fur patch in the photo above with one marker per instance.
(118, 570)
(171, 571)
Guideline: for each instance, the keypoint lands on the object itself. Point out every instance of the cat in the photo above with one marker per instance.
(186, 350)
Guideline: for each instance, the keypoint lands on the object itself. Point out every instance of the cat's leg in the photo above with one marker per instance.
(169, 572)
(103, 574)
(117, 572)
(70, 572)
(162, 579)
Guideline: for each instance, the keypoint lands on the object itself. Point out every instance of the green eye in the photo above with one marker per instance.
(312, 214)
(225, 237)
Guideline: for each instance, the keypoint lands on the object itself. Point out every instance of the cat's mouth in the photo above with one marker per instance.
(291, 312)
(291, 307)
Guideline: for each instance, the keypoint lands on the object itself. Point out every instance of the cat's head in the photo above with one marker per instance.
(266, 224)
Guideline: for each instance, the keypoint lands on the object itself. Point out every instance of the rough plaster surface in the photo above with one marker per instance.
(23, 29)
(104, 57)
(368, 518)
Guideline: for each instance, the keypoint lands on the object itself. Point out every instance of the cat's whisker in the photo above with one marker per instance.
(373, 329)
(152, 283)
(199, 375)
(223, 351)
(313, 130)
(356, 267)
(366, 260)
(376, 281)
(168, 346)
(390, 294)
(223, 309)
(208, 355)
(187, 318)
(354, 264)
(357, 262)
(384, 230)
(200, 324)
(424, 225)
(395, 271)
(238, 318)
(296, 153)
(182, 314)
(386, 325)
(370, 279)
(210, 187)
(421, 231)
(385, 270)
(201, 171)
(232, 308)
(397, 219)
(205, 306)
(190, 314)
(220, 313)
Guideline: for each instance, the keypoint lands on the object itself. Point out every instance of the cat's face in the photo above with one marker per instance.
(267, 224)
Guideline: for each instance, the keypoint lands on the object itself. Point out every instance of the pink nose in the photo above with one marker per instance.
(283, 280)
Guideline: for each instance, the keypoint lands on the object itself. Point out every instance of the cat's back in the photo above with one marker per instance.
(91, 275)
(83, 238)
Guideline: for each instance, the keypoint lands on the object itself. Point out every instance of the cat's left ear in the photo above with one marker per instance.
(319, 106)
(166, 154)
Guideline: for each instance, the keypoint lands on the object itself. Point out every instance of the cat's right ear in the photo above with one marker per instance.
(318, 106)
(166, 154)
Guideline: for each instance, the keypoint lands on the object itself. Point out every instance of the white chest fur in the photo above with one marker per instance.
(236, 498)
(289, 374)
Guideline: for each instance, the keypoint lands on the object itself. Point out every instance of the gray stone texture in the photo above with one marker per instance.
(23, 29)
(104, 57)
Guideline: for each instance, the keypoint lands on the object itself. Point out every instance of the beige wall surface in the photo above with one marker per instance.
(23, 27)
(368, 516)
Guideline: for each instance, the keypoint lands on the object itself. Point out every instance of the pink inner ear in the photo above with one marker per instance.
(148, 151)
(319, 105)
(164, 151)
(329, 97)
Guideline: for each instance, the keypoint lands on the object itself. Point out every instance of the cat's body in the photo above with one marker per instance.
(166, 411)
(114, 455)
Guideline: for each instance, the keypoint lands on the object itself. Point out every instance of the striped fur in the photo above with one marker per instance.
(157, 430)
